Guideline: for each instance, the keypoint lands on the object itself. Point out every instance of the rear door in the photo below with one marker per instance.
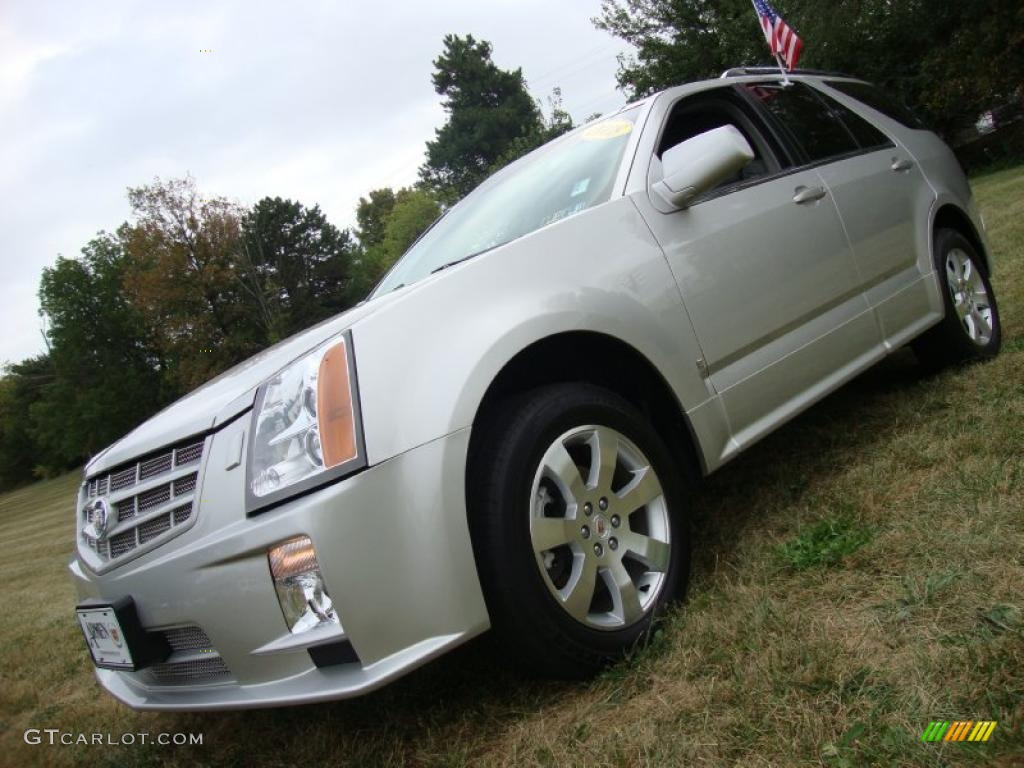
(879, 192)
(765, 270)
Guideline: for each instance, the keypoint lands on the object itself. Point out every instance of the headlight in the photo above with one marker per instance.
(306, 427)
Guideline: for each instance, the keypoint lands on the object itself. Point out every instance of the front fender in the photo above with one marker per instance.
(425, 361)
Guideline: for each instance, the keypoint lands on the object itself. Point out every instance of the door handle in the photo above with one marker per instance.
(808, 194)
(901, 165)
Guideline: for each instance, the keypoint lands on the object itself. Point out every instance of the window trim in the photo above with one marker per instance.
(831, 104)
(913, 121)
(752, 120)
(772, 129)
(794, 144)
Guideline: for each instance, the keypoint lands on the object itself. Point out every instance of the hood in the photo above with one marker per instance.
(224, 397)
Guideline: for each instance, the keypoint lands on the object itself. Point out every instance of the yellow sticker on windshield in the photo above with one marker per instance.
(609, 129)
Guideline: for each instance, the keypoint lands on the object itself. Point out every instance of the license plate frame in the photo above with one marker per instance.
(115, 636)
(105, 638)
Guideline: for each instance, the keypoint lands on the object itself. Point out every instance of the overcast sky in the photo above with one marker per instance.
(316, 101)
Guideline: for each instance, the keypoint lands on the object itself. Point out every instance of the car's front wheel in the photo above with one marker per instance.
(578, 524)
(971, 329)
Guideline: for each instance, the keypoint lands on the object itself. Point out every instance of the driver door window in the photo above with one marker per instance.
(694, 116)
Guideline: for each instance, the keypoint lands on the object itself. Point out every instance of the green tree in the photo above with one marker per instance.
(183, 276)
(680, 40)
(295, 266)
(414, 211)
(411, 211)
(372, 215)
(21, 387)
(949, 60)
(553, 125)
(104, 373)
(488, 108)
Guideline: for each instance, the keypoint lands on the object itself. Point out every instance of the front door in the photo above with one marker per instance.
(766, 273)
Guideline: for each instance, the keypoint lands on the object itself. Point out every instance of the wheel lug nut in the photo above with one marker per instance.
(585, 532)
(613, 543)
(616, 522)
(598, 550)
(603, 503)
(588, 509)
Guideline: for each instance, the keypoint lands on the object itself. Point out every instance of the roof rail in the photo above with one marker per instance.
(768, 70)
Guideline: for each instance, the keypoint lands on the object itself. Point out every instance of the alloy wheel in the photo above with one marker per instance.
(970, 297)
(599, 527)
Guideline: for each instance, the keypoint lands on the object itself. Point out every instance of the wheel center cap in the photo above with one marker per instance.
(600, 526)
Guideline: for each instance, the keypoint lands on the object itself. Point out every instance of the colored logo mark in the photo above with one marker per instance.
(958, 730)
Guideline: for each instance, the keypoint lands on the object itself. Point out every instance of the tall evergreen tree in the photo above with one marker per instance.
(488, 108)
(294, 266)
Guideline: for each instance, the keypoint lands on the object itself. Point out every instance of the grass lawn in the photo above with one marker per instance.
(857, 575)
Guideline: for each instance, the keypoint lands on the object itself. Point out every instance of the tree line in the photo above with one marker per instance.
(192, 284)
(948, 61)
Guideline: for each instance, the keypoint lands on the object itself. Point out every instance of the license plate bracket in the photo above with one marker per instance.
(116, 638)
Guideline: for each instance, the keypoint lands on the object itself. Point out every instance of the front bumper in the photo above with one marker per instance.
(394, 549)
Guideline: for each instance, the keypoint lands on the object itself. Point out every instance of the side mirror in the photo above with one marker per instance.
(696, 165)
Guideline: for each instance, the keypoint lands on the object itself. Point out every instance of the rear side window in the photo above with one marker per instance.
(867, 136)
(879, 100)
(812, 125)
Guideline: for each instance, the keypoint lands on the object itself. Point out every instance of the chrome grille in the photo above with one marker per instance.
(185, 485)
(154, 498)
(126, 509)
(123, 479)
(147, 501)
(121, 543)
(154, 467)
(181, 514)
(154, 528)
(188, 454)
(193, 660)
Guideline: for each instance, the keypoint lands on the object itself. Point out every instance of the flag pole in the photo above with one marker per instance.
(778, 55)
(783, 70)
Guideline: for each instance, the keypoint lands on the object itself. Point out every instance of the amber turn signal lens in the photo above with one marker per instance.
(293, 557)
(300, 586)
(335, 414)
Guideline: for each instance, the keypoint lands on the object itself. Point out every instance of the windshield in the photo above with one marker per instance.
(568, 175)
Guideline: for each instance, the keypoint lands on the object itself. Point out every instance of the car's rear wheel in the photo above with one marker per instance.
(578, 525)
(971, 329)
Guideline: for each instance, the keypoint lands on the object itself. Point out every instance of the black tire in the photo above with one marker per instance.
(950, 341)
(532, 628)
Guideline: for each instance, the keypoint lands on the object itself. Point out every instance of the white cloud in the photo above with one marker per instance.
(320, 102)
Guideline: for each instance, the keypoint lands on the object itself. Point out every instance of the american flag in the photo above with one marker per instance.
(781, 38)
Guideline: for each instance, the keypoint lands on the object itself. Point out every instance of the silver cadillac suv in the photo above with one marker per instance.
(505, 434)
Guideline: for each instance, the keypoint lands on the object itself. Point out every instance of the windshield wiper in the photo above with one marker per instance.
(460, 260)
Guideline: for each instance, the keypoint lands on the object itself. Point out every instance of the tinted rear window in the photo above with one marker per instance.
(879, 100)
(807, 118)
(864, 132)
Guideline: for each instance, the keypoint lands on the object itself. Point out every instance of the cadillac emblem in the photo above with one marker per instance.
(96, 521)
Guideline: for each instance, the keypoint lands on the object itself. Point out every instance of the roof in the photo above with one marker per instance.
(765, 70)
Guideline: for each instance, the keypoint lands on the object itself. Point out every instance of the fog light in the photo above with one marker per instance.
(300, 586)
